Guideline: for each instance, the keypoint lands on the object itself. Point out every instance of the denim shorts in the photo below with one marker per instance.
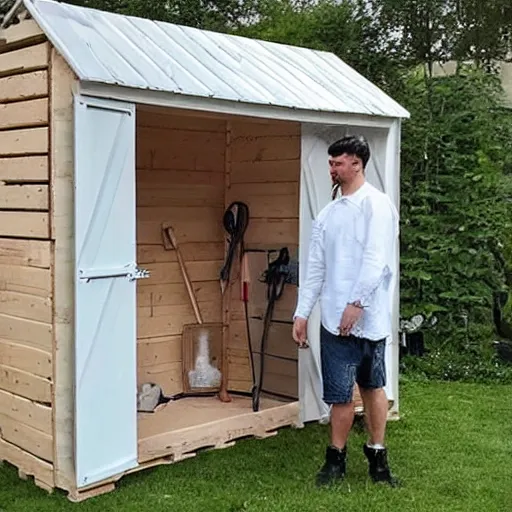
(349, 359)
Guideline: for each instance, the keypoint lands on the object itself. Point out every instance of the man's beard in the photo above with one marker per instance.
(335, 188)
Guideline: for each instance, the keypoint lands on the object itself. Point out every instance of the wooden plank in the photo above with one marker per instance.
(157, 351)
(269, 128)
(169, 320)
(27, 438)
(30, 253)
(22, 305)
(263, 190)
(238, 338)
(24, 197)
(23, 114)
(186, 230)
(24, 87)
(235, 269)
(25, 358)
(176, 293)
(25, 384)
(239, 372)
(27, 463)
(167, 375)
(208, 251)
(24, 142)
(283, 309)
(30, 58)
(163, 273)
(62, 225)
(161, 148)
(26, 332)
(272, 206)
(209, 311)
(30, 280)
(22, 34)
(241, 386)
(197, 195)
(170, 177)
(266, 172)
(176, 214)
(250, 149)
(24, 169)
(26, 411)
(25, 224)
(214, 432)
(166, 120)
(272, 231)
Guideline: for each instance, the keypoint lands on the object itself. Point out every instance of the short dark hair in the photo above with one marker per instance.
(355, 145)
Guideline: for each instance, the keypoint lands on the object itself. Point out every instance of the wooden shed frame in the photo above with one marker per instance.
(39, 100)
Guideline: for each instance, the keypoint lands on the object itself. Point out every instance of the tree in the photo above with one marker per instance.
(429, 31)
(218, 15)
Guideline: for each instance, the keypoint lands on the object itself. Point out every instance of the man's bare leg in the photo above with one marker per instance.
(334, 468)
(376, 414)
(342, 417)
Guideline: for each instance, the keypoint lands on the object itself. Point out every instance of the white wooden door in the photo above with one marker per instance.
(105, 290)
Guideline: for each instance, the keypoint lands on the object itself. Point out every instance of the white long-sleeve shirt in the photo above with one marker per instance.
(352, 258)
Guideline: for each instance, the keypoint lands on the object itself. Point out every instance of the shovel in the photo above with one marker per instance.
(202, 343)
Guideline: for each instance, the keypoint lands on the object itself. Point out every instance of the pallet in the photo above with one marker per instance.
(229, 423)
(192, 424)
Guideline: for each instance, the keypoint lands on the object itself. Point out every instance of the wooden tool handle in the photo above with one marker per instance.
(188, 284)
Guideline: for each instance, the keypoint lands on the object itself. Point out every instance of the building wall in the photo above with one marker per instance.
(505, 73)
(180, 179)
(189, 170)
(264, 173)
(26, 296)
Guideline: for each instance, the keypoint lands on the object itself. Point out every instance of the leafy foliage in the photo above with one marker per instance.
(456, 205)
(218, 15)
(457, 146)
(430, 31)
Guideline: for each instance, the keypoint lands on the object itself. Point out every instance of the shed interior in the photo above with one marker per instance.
(190, 166)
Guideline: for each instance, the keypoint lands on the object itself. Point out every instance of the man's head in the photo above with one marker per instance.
(348, 158)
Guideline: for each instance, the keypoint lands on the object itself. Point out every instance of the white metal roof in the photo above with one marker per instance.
(114, 49)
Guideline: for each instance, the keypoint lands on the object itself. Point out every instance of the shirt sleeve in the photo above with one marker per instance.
(310, 291)
(381, 233)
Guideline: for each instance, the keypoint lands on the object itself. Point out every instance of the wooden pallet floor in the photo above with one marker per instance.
(181, 428)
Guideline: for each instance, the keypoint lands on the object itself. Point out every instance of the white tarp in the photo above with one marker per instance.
(315, 193)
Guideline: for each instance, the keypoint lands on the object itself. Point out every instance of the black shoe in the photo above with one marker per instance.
(334, 467)
(378, 466)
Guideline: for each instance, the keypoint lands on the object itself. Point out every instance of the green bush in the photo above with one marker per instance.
(456, 215)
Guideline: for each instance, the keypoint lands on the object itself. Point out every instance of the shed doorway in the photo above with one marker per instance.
(190, 166)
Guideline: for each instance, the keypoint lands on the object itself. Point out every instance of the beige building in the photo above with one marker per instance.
(505, 73)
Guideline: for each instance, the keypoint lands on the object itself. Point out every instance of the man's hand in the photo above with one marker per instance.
(300, 329)
(350, 317)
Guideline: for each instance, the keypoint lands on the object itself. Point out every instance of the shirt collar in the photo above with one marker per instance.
(357, 196)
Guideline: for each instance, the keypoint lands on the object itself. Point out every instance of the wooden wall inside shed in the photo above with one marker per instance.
(189, 169)
(180, 179)
(264, 172)
(26, 298)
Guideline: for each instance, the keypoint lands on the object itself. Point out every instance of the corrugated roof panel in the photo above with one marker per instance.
(133, 52)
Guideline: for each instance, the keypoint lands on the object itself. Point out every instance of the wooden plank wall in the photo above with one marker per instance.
(264, 172)
(25, 254)
(180, 179)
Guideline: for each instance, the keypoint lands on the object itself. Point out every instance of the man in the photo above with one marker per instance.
(350, 267)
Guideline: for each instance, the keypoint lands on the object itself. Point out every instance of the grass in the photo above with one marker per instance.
(452, 449)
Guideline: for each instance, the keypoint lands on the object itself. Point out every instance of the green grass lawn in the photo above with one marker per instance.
(452, 448)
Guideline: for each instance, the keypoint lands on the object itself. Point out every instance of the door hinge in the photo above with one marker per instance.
(139, 273)
(131, 272)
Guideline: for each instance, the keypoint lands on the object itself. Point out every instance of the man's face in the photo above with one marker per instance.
(344, 168)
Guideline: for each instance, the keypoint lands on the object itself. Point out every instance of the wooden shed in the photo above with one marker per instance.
(111, 126)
